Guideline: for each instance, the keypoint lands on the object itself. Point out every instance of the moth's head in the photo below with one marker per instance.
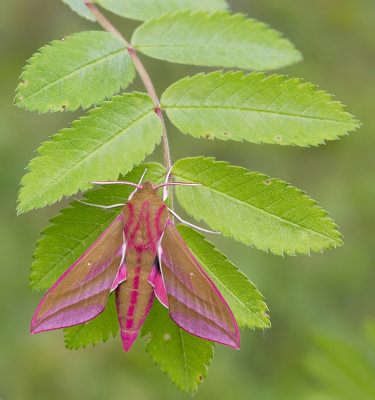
(147, 187)
(146, 191)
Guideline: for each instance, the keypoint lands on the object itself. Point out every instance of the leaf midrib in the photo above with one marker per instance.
(255, 110)
(70, 338)
(184, 358)
(75, 71)
(242, 202)
(253, 46)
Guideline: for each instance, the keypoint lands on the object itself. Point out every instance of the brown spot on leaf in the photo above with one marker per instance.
(208, 136)
(267, 182)
(201, 377)
(278, 138)
(226, 134)
(64, 107)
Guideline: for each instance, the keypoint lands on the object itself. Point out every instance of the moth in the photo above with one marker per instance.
(140, 256)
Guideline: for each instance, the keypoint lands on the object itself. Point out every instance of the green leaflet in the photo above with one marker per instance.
(218, 39)
(183, 357)
(241, 295)
(81, 70)
(93, 332)
(76, 228)
(143, 10)
(256, 108)
(93, 149)
(254, 209)
(80, 8)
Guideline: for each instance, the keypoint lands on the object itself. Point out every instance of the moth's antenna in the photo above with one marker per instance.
(139, 184)
(164, 185)
(100, 206)
(115, 182)
(178, 183)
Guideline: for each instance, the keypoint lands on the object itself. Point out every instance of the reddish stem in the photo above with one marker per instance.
(145, 77)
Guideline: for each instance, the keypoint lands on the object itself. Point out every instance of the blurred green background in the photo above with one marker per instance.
(322, 343)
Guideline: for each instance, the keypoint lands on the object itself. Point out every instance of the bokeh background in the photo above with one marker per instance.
(322, 342)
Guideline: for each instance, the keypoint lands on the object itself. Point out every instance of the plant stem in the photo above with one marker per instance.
(145, 77)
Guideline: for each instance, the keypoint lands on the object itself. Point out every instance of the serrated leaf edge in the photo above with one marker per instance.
(54, 138)
(337, 242)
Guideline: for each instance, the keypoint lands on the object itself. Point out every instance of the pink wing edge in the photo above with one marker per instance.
(156, 280)
(237, 338)
(120, 271)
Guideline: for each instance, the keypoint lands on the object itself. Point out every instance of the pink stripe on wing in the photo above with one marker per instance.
(198, 308)
(68, 318)
(204, 330)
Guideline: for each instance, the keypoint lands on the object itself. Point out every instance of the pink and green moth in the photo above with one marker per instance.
(139, 256)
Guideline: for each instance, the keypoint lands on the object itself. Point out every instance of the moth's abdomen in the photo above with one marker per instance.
(134, 299)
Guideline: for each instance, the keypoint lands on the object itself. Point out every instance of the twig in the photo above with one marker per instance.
(145, 77)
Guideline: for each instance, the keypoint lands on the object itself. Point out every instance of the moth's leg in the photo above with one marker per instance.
(191, 225)
(100, 206)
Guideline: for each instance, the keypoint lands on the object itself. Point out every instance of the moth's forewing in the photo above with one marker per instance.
(81, 293)
(195, 303)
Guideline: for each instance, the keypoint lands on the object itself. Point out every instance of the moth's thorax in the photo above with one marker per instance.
(145, 216)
